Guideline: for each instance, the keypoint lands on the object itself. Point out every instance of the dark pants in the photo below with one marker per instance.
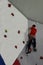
(31, 41)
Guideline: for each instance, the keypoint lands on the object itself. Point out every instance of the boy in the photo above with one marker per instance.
(32, 39)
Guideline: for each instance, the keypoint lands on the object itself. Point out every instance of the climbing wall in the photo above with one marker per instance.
(13, 37)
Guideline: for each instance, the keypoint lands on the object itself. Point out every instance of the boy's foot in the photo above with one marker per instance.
(35, 50)
(28, 52)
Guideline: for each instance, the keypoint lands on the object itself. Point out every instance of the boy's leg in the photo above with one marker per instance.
(29, 45)
(34, 44)
(29, 42)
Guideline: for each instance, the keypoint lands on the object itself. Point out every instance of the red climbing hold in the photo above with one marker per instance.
(16, 46)
(41, 57)
(18, 31)
(21, 57)
(16, 62)
(9, 5)
(12, 14)
(5, 36)
(23, 42)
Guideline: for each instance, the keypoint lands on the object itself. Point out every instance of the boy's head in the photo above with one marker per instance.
(33, 25)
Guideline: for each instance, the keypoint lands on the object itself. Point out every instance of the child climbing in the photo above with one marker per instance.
(32, 38)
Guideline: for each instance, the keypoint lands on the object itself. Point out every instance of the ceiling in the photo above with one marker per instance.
(32, 9)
